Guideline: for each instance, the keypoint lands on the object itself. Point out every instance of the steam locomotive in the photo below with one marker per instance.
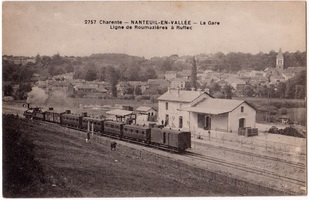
(149, 135)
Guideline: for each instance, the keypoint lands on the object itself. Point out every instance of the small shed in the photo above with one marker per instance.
(146, 110)
(123, 115)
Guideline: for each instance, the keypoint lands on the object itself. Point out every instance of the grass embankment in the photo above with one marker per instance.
(43, 162)
(47, 161)
(23, 174)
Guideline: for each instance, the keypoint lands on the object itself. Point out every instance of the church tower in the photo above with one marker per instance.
(279, 60)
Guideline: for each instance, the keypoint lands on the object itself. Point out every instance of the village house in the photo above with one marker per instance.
(169, 75)
(67, 76)
(158, 83)
(185, 74)
(123, 86)
(178, 83)
(235, 82)
(198, 111)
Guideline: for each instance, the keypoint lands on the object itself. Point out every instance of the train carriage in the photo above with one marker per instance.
(88, 122)
(113, 128)
(53, 116)
(135, 132)
(171, 138)
(71, 120)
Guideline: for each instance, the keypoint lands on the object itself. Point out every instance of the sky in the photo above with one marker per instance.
(47, 28)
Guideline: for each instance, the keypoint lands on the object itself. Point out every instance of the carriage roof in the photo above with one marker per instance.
(170, 130)
(114, 122)
(137, 127)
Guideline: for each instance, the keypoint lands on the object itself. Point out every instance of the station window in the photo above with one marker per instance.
(166, 105)
(242, 109)
(136, 131)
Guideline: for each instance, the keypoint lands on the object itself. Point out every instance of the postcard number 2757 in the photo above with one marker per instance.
(90, 21)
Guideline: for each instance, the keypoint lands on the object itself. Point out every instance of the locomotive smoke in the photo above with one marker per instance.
(56, 98)
(37, 96)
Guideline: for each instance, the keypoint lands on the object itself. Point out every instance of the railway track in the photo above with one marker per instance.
(252, 170)
(208, 159)
(292, 164)
(112, 137)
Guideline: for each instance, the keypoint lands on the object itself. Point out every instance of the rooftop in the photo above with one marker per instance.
(144, 108)
(180, 95)
(119, 112)
(215, 106)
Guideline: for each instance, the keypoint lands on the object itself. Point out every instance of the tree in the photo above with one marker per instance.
(300, 92)
(227, 91)
(138, 90)
(194, 74)
(101, 74)
(69, 68)
(214, 87)
(8, 90)
(37, 59)
(132, 73)
(91, 74)
(21, 93)
(148, 73)
(112, 76)
(248, 91)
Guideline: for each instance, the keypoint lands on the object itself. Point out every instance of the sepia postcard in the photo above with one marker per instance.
(154, 99)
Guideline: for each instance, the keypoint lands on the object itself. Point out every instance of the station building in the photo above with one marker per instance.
(198, 110)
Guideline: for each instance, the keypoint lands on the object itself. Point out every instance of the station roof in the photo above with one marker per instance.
(216, 106)
(144, 108)
(119, 112)
(182, 96)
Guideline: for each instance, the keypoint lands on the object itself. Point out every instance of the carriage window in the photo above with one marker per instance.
(131, 130)
(112, 126)
(136, 131)
(143, 132)
(125, 129)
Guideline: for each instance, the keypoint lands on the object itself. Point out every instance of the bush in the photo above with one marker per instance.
(127, 97)
(138, 98)
(283, 111)
(146, 97)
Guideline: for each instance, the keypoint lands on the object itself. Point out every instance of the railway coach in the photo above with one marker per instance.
(53, 116)
(72, 120)
(113, 128)
(95, 124)
(138, 133)
(174, 139)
